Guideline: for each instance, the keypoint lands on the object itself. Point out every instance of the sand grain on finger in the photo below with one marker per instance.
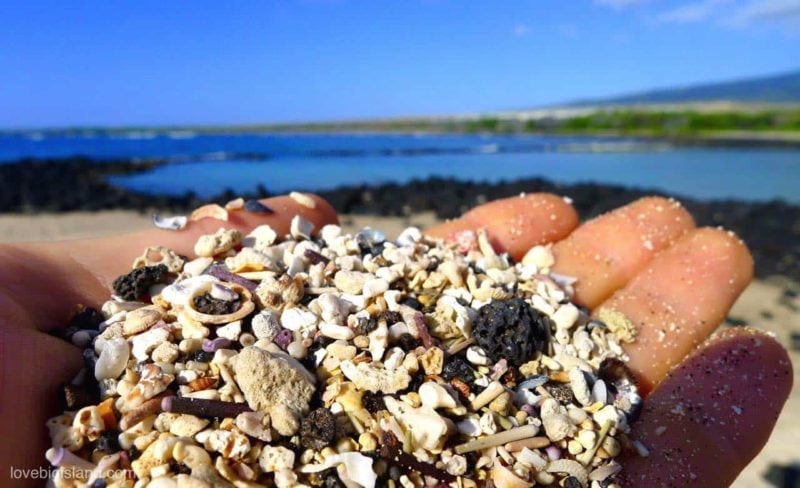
(605, 253)
(680, 298)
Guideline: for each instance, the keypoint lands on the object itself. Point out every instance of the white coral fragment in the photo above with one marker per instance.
(358, 467)
(367, 376)
(428, 429)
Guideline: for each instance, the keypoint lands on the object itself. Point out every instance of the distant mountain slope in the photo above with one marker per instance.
(769, 89)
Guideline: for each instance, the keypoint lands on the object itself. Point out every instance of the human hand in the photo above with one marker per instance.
(704, 421)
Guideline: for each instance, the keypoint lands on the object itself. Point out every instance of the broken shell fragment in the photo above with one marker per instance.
(211, 210)
(246, 305)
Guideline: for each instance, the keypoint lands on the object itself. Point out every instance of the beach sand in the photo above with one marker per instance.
(764, 304)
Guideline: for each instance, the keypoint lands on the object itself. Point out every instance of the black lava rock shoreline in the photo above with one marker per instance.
(771, 229)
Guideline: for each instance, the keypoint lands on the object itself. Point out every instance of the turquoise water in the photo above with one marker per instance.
(210, 164)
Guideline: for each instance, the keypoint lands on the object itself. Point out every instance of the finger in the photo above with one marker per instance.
(52, 277)
(32, 365)
(111, 256)
(606, 252)
(679, 299)
(516, 224)
(712, 414)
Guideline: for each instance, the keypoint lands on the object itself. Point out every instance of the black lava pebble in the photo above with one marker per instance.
(458, 367)
(365, 325)
(107, 442)
(89, 359)
(76, 397)
(412, 302)
(373, 250)
(136, 284)
(373, 402)
(511, 329)
(330, 479)
(207, 304)
(318, 429)
(615, 372)
(391, 318)
(202, 356)
(86, 318)
(408, 342)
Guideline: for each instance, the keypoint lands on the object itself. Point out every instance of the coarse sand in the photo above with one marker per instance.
(765, 303)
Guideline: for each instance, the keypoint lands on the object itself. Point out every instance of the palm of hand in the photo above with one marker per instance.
(704, 421)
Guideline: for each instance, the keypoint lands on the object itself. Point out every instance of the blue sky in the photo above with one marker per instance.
(209, 62)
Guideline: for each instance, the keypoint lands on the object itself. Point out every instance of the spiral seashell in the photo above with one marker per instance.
(203, 383)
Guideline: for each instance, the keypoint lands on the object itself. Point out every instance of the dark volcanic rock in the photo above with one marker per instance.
(771, 229)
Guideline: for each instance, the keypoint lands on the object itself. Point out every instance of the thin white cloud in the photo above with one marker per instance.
(733, 13)
(619, 4)
(692, 12)
(781, 11)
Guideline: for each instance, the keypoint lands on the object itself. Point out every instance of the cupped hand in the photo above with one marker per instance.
(711, 401)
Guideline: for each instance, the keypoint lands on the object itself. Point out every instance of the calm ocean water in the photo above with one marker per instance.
(209, 164)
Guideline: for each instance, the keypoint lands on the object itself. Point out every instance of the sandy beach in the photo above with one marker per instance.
(765, 304)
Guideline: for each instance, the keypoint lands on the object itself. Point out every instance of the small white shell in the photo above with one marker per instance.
(177, 222)
(409, 237)
(180, 292)
(600, 391)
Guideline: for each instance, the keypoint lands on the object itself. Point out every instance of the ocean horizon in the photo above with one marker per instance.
(209, 164)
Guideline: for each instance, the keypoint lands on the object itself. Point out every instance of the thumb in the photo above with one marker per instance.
(32, 365)
(712, 414)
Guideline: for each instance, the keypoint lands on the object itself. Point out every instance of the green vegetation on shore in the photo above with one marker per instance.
(679, 123)
(689, 124)
(686, 123)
